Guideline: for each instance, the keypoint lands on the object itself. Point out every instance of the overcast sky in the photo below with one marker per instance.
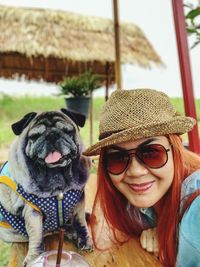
(154, 17)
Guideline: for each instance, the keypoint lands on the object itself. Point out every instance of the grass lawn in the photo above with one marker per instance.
(4, 253)
(12, 109)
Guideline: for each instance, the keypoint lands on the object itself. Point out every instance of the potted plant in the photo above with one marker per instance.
(78, 89)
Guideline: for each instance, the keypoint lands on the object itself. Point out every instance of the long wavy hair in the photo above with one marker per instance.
(113, 205)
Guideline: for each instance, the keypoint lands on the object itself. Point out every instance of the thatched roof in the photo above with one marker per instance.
(41, 43)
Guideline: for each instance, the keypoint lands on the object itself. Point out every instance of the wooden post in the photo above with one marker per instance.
(107, 80)
(186, 76)
(91, 118)
(117, 46)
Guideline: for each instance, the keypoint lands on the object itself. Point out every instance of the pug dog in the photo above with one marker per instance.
(42, 184)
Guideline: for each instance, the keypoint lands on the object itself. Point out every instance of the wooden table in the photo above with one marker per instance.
(128, 255)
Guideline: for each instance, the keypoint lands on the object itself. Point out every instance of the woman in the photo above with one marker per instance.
(148, 183)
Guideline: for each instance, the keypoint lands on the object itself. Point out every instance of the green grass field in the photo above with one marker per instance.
(12, 109)
(4, 253)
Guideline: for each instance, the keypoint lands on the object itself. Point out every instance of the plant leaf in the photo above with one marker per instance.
(193, 13)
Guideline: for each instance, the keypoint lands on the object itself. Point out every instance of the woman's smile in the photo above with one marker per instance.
(141, 187)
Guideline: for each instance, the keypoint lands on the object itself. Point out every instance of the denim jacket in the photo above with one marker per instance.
(189, 227)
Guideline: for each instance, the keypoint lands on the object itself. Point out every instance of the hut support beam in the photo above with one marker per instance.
(117, 46)
(107, 67)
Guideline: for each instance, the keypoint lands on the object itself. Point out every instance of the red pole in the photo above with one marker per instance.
(186, 76)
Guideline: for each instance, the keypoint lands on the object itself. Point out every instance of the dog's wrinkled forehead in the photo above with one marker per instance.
(49, 118)
(52, 120)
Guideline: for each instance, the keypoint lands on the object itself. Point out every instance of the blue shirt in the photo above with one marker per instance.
(189, 227)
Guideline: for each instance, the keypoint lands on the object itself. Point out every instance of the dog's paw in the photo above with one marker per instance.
(71, 235)
(26, 263)
(29, 260)
(85, 244)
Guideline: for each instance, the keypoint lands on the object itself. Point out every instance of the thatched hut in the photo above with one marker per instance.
(47, 44)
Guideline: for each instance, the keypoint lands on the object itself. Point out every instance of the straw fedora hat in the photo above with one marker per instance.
(135, 114)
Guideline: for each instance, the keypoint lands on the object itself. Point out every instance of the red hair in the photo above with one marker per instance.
(113, 205)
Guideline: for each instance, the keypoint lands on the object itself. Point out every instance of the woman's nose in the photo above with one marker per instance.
(136, 168)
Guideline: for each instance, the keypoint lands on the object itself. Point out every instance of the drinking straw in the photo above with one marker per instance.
(60, 246)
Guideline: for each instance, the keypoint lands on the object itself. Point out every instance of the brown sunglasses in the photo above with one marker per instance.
(117, 160)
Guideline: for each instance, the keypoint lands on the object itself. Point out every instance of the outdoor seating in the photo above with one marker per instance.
(130, 253)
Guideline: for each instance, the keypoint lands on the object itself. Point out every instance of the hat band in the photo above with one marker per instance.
(107, 134)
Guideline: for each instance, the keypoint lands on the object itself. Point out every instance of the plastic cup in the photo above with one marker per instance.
(69, 259)
(51, 257)
(77, 260)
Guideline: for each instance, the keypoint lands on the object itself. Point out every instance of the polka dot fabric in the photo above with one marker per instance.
(15, 221)
(49, 209)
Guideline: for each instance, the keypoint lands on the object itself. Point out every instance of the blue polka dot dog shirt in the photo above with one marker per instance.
(56, 213)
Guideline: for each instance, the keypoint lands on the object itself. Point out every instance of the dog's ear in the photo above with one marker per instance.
(78, 118)
(19, 126)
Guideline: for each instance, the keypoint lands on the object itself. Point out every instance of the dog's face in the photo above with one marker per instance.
(52, 141)
(49, 147)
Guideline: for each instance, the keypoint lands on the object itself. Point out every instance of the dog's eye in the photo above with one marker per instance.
(68, 131)
(34, 136)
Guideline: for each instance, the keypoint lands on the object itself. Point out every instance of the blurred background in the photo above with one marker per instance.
(155, 19)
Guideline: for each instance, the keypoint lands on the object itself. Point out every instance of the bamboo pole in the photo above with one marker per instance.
(118, 78)
(91, 119)
(107, 80)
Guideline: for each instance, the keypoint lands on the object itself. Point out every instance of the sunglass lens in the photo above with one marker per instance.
(154, 156)
(116, 161)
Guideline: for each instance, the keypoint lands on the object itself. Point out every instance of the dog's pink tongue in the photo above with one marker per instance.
(53, 157)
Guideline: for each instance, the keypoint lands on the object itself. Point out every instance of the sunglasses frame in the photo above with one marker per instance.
(131, 153)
